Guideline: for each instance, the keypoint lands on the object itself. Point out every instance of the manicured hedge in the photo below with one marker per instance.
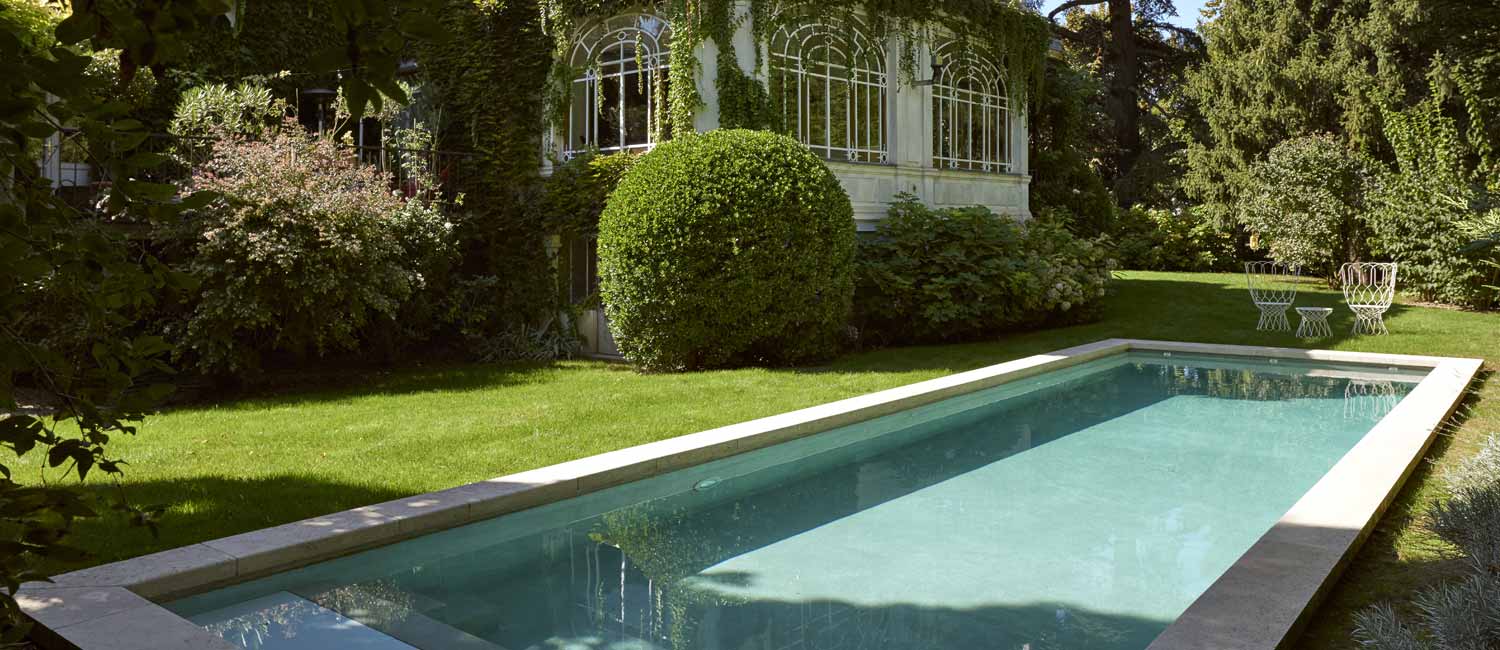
(727, 248)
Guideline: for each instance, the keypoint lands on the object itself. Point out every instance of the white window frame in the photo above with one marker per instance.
(969, 94)
(603, 52)
(865, 109)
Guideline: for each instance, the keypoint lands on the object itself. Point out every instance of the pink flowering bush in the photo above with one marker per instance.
(303, 250)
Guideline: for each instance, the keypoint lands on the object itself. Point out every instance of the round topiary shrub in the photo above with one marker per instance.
(727, 248)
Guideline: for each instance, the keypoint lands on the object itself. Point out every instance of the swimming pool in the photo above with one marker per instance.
(1084, 507)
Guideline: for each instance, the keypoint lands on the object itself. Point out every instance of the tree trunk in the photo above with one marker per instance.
(1123, 105)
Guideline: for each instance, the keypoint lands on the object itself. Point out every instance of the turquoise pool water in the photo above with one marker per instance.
(1083, 508)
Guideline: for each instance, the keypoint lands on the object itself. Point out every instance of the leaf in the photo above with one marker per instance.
(198, 200)
(146, 160)
(36, 129)
(21, 432)
(149, 191)
(391, 89)
(424, 26)
(356, 94)
(77, 27)
(62, 451)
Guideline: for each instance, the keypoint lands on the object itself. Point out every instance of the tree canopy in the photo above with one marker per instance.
(1280, 69)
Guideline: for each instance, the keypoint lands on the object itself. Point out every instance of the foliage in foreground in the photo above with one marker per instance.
(966, 273)
(51, 253)
(731, 247)
(1462, 614)
(58, 265)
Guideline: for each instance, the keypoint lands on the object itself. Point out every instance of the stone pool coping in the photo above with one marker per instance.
(1260, 602)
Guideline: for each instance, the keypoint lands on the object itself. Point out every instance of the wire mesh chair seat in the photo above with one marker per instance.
(1314, 322)
(1369, 288)
(1273, 289)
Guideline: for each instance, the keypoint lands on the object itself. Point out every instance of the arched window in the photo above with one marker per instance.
(832, 85)
(970, 112)
(617, 99)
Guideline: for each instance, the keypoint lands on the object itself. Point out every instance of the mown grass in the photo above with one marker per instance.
(230, 467)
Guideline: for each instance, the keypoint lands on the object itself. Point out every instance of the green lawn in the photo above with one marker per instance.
(232, 467)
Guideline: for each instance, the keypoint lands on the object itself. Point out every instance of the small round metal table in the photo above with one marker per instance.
(1314, 322)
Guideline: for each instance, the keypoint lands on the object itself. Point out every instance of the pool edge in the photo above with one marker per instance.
(1267, 597)
(85, 608)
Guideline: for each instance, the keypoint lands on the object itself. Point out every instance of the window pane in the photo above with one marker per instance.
(969, 119)
(836, 110)
(609, 111)
(580, 132)
(614, 106)
(637, 93)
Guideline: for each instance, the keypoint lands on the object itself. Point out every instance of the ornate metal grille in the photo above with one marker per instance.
(970, 112)
(833, 83)
(615, 101)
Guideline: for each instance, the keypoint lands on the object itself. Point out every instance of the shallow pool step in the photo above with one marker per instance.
(410, 625)
(286, 621)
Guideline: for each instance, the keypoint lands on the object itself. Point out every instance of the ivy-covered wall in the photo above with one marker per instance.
(504, 75)
(1003, 29)
(486, 80)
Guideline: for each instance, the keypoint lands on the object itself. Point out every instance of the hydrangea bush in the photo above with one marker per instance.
(967, 273)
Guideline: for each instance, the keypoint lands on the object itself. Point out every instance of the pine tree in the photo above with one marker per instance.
(1279, 69)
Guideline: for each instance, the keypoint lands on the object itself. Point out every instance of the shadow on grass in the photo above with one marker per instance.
(1208, 309)
(210, 507)
(295, 387)
(1192, 311)
(1393, 564)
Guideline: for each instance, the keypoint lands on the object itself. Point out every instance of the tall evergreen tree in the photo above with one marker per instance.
(1140, 59)
(1278, 69)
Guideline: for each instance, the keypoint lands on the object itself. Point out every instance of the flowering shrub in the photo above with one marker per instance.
(1074, 274)
(1306, 203)
(301, 251)
(967, 273)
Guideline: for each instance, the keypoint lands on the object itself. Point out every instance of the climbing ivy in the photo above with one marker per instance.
(1002, 30)
(485, 78)
(483, 82)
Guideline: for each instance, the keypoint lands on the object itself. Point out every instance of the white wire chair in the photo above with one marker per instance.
(1273, 288)
(1369, 288)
